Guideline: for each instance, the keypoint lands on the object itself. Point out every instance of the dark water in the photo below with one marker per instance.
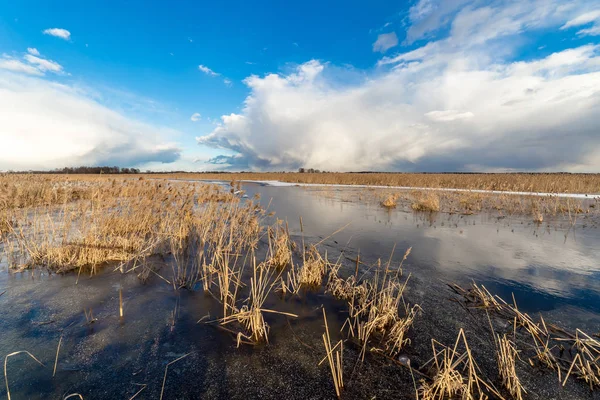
(551, 268)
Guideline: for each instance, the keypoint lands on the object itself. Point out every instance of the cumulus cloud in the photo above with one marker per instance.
(58, 32)
(207, 70)
(33, 51)
(227, 82)
(47, 125)
(385, 42)
(457, 103)
(195, 117)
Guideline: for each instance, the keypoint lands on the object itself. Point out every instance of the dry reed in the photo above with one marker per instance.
(335, 360)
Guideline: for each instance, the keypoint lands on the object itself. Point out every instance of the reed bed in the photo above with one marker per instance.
(208, 237)
(130, 222)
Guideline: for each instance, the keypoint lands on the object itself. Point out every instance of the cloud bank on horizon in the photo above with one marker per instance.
(465, 97)
(48, 125)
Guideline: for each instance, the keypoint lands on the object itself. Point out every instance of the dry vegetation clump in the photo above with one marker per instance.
(455, 374)
(374, 309)
(280, 246)
(312, 270)
(390, 201)
(507, 362)
(548, 346)
(428, 201)
(345, 289)
(250, 315)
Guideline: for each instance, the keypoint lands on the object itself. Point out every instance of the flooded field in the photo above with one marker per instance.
(169, 342)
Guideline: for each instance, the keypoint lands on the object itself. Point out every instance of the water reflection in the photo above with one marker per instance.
(546, 266)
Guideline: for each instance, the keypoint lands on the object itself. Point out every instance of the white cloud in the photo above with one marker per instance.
(457, 103)
(385, 42)
(49, 125)
(582, 19)
(33, 51)
(449, 115)
(195, 117)
(58, 32)
(11, 64)
(227, 82)
(43, 64)
(207, 70)
(593, 31)
(585, 19)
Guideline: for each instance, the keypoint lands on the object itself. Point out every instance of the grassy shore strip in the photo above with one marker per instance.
(505, 182)
(539, 194)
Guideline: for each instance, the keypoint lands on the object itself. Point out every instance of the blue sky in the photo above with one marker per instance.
(339, 86)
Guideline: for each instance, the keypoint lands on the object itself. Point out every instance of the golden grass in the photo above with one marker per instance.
(520, 182)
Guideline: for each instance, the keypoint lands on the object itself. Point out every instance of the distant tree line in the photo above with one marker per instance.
(310, 171)
(85, 170)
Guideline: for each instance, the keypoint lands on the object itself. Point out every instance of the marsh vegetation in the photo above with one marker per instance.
(365, 318)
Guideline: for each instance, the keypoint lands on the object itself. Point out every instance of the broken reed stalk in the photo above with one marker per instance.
(6, 361)
(335, 362)
(143, 385)
(120, 303)
(167, 370)
(56, 359)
